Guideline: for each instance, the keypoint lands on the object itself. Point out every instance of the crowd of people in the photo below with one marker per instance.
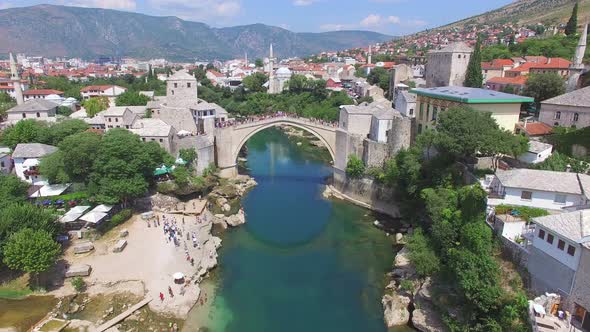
(254, 119)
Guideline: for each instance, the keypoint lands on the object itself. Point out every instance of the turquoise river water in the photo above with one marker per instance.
(301, 262)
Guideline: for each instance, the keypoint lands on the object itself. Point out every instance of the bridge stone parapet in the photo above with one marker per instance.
(229, 140)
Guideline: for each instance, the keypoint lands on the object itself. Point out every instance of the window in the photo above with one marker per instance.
(550, 238)
(459, 56)
(172, 92)
(110, 120)
(557, 115)
(576, 117)
(116, 119)
(541, 234)
(427, 112)
(188, 85)
(420, 115)
(2, 164)
(24, 115)
(38, 114)
(161, 140)
(560, 199)
(560, 244)
(419, 128)
(411, 111)
(434, 112)
(143, 139)
(571, 250)
(175, 85)
(528, 195)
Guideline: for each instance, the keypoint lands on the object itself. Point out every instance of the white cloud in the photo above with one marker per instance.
(206, 10)
(112, 4)
(393, 19)
(371, 20)
(303, 2)
(335, 26)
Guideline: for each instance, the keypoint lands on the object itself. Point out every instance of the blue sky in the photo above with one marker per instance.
(395, 17)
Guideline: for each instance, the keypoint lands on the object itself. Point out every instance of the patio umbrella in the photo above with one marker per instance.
(178, 276)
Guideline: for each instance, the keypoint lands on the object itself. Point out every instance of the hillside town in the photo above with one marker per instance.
(122, 177)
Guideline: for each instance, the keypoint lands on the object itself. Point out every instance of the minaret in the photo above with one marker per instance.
(370, 56)
(577, 67)
(271, 75)
(18, 92)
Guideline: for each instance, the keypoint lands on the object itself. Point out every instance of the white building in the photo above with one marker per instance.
(27, 157)
(38, 109)
(540, 189)
(41, 93)
(109, 91)
(405, 103)
(537, 152)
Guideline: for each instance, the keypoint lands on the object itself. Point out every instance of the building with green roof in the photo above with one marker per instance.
(505, 107)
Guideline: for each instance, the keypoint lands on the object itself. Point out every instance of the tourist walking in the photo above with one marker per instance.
(170, 291)
(161, 297)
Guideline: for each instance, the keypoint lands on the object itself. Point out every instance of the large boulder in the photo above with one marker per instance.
(235, 220)
(403, 267)
(425, 318)
(395, 310)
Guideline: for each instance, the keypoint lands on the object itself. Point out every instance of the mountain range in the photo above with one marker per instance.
(51, 30)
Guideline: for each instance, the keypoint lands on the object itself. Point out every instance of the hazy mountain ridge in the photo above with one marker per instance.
(531, 12)
(88, 32)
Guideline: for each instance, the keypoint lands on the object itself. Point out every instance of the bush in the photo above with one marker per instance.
(166, 187)
(407, 285)
(422, 255)
(78, 284)
(121, 217)
(355, 168)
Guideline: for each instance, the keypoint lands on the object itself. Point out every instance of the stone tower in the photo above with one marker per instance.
(577, 67)
(370, 56)
(448, 65)
(15, 78)
(181, 88)
(272, 84)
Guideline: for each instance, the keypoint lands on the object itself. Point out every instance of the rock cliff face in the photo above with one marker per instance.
(89, 32)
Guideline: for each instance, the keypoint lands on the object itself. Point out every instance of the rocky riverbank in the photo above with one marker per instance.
(408, 299)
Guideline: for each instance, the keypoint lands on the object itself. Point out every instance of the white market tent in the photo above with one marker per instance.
(74, 214)
(49, 190)
(93, 217)
(102, 208)
(31, 162)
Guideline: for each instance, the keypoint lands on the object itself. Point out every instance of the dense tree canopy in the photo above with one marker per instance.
(32, 251)
(255, 82)
(26, 131)
(572, 24)
(131, 98)
(6, 103)
(12, 190)
(544, 86)
(95, 105)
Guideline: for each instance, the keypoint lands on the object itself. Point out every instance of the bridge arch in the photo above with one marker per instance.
(230, 140)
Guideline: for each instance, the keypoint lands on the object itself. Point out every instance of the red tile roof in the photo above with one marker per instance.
(553, 63)
(215, 73)
(42, 92)
(518, 80)
(536, 128)
(497, 64)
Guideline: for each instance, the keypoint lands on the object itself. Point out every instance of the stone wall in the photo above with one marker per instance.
(378, 197)
(580, 293)
(547, 274)
(374, 153)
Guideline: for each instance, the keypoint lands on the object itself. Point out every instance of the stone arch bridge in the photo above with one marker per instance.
(229, 140)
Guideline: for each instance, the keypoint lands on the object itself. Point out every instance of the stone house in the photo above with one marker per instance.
(540, 189)
(155, 130)
(5, 160)
(559, 261)
(405, 103)
(537, 152)
(447, 66)
(38, 109)
(505, 107)
(110, 91)
(118, 117)
(496, 68)
(568, 110)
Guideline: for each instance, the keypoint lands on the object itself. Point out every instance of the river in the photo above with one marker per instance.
(301, 262)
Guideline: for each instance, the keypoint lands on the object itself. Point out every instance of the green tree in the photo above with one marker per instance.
(64, 110)
(473, 75)
(181, 177)
(188, 155)
(572, 24)
(12, 190)
(355, 167)
(59, 131)
(78, 284)
(544, 86)
(95, 105)
(52, 167)
(15, 217)
(422, 255)
(32, 251)
(6, 103)
(131, 98)
(79, 152)
(380, 77)
(255, 82)
(259, 63)
(26, 131)
(123, 166)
